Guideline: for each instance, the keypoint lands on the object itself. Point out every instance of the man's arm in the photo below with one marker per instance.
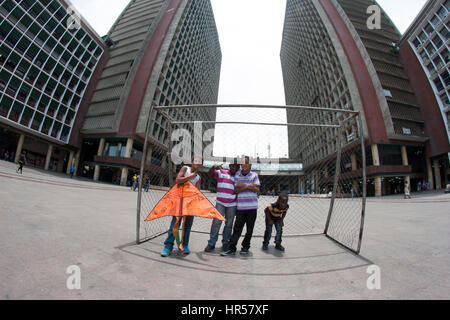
(213, 169)
(282, 219)
(239, 187)
(254, 188)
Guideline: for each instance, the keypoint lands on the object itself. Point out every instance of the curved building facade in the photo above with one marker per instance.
(331, 57)
(426, 55)
(163, 53)
(48, 58)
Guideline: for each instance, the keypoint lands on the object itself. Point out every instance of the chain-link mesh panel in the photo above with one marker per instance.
(314, 155)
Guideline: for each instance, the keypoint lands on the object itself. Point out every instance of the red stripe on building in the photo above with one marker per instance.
(367, 92)
(136, 95)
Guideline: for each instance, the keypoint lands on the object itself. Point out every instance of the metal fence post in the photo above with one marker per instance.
(364, 174)
(336, 178)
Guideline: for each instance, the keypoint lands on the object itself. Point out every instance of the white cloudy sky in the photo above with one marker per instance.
(250, 36)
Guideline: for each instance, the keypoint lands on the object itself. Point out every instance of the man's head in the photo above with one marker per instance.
(246, 165)
(283, 200)
(197, 163)
(234, 167)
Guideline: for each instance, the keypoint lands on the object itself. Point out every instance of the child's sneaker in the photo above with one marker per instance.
(279, 247)
(186, 250)
(166, 252)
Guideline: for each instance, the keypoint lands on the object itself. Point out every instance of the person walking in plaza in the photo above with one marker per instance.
(22, 161)
(225, 204)
(135, 182)
(407, 191)
(72, 171)
(247, 187)
(185, 174)
(275, 214)
(147, 184)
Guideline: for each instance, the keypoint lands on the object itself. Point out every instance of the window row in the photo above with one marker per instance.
(43, 46)
(43, 86)
(18, 112)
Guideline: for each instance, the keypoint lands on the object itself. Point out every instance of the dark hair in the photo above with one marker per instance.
(197, 158)
(283, 195)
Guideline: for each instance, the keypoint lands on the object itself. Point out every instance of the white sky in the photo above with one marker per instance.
(250, 34)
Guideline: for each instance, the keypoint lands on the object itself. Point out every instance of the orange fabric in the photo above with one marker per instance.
(184, 200)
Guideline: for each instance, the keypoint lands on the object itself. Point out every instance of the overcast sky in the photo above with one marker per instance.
(250, 37)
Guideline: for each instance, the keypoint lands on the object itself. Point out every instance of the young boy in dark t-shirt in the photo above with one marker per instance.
(275, 214)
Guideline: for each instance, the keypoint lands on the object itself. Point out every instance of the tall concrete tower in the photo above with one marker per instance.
(50, 60)
(332, 57)
(163, 52)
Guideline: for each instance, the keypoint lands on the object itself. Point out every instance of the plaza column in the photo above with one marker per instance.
(70, 162)
(376, 162)
(405, 163)
(101, 147)
(430, 173)
(19, 147)
(437, 174)
(49, 156)
(124, 175)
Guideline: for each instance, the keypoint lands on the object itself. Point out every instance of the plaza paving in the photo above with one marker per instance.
(49, 222)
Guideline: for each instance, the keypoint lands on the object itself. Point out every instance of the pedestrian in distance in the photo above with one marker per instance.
(407, 191)
(134, 183)
(22, 161)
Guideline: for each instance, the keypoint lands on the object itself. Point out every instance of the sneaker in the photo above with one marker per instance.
(225, 247)
(244, 251)
(186, 250)
(209, 248)
(265, 247)
(166, 252)
(229, 252)
(279, 247)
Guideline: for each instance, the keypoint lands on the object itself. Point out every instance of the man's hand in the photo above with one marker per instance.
(193, 175)
(270, 221)
(252, 187)
(282, 223)
(241, 185)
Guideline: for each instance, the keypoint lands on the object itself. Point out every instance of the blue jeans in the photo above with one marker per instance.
(187, 231)
(268, 233)
(228, 213)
